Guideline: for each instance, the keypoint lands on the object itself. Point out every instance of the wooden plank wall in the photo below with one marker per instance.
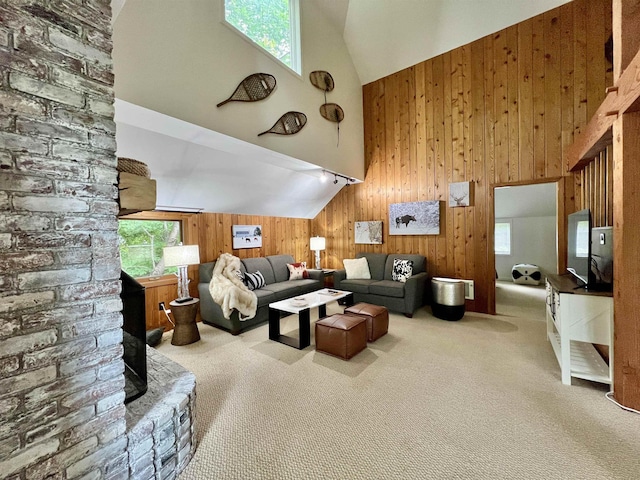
(499, 111)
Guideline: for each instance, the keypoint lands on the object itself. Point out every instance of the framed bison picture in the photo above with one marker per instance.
(414, 218)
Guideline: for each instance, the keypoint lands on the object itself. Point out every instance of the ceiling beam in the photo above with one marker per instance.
(622, 98)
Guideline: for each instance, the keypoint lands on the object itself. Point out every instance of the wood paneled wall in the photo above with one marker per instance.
(212, 233)
(279, 236)
(499, 111)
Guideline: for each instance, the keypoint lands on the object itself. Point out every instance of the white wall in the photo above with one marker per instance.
(178, 58)
(533, 240)
(385, 36)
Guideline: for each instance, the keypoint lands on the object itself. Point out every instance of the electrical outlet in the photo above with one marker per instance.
(161, 306)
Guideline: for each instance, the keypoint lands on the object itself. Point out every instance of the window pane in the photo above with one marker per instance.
(503, 239)
(269, 24)
(141, 244)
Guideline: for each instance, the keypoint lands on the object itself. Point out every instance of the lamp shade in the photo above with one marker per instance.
(317, 243)
(181, 255)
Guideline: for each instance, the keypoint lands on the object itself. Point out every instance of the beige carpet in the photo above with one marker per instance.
(476, 399)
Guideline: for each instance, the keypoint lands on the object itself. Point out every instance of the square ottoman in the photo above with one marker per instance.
(341, 335)
(377, 318)
(526, 274)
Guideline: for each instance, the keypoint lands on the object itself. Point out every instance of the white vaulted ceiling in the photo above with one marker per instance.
(197, 167)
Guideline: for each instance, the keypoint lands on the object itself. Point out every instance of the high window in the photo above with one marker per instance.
(273, 25)
(141, 244)
(502, 244)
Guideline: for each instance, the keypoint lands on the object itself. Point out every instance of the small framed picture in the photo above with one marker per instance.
(369, 232)
(461, 194)
(247, 236)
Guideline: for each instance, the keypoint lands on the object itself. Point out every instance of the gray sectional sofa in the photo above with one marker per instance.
(278, 287)
(381, 289)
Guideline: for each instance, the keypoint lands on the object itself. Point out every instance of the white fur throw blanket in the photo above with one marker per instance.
(228, 291)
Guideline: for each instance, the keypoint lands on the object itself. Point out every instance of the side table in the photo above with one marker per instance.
(184, 314)
(328, 277)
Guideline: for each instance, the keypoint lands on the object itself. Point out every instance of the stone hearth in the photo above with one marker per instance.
(161, 423)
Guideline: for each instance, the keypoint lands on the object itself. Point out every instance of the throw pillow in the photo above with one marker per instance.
(402, 270)
(357, 268)
(254, 280)
(297, 271)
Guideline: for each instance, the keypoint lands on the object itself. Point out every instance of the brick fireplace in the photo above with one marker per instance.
(62, 412)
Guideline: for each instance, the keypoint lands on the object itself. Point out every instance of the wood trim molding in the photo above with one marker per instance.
(598, 133)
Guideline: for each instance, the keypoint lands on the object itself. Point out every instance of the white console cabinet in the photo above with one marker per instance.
(576, 320)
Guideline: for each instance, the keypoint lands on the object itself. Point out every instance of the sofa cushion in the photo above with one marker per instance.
(306, 285)
(254, 281)
(252, 265)
(265, 297)
(387, 288)
(205, 271)
(279, 266)
(376, 263)
(357, 268)
(419, 264)
(402, 270)
(356, 286)
(282, 290)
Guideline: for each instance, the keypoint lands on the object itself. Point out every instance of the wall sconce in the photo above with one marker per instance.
(180, 256)
(317, 244)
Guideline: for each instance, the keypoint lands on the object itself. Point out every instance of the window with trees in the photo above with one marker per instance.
(141, 244)
(502, 245)
(273, 25)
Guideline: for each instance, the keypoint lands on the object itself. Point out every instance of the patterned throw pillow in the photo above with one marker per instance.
(254, 280)
(297, 271)
(402, 269)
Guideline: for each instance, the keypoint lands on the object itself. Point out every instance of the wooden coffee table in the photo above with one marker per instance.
(302, 307)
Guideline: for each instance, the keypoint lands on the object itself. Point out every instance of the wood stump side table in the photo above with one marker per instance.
(185, 330)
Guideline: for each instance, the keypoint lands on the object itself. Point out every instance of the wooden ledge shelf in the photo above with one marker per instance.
(137, 193)
(621, 98)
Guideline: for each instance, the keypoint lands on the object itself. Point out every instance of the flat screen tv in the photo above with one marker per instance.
(589, 252)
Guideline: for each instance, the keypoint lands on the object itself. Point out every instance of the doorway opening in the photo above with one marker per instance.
(525, 233)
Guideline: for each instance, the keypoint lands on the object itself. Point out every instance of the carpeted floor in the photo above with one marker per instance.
(476, 399)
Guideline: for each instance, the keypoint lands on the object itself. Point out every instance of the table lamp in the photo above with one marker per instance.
(317, 244)
(180, 256)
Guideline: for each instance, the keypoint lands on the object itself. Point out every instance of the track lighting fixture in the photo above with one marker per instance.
(336, 176)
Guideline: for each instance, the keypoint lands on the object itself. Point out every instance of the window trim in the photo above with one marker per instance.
(295, 28)
(509, 222)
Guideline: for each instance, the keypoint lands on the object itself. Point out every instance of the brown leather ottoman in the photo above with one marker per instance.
(377, 319)
(341, 335)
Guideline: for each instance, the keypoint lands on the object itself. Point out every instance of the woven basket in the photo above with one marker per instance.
(134, 167)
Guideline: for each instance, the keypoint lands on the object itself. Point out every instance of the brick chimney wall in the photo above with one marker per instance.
(61, 374)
